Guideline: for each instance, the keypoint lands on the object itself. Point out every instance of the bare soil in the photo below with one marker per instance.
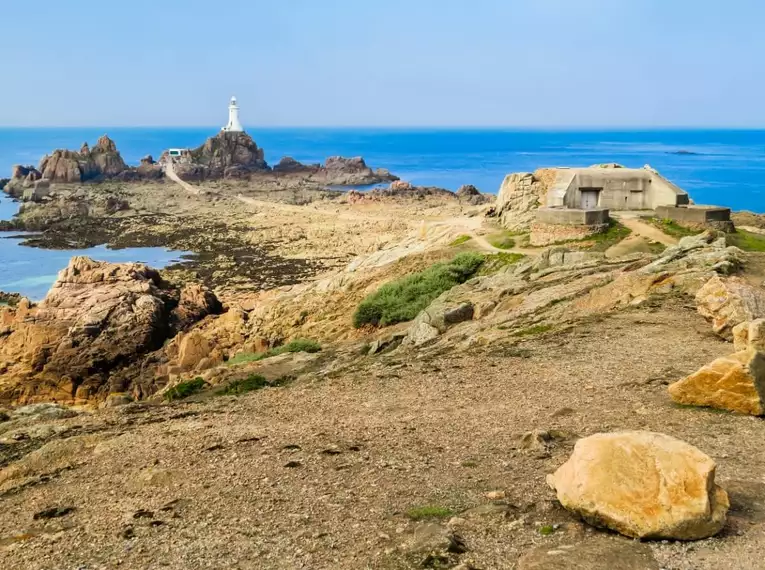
(321, 473)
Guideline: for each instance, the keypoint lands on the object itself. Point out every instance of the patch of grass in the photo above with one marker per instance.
(297, 345)
(546, 530)
(672, 228)
(656, 247)
(495, 262)
(403, 299)
(501, 240)
(747, 241)
(460, 240)
(533, 330)
(615, 233)
(185, 389)
(429, 512)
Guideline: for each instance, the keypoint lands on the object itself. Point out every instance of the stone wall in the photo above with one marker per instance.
(546, 234)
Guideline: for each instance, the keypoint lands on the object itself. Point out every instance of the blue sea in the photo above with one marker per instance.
(722, 167)
(727, 167)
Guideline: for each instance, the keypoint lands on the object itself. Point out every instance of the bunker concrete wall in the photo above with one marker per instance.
(694, 215)
(623, 189)
(572, 216)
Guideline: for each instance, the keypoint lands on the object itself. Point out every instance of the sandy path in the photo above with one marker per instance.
(170, 173)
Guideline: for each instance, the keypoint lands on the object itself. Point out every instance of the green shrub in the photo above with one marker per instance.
(185, 389)
(460, 240)
(249, 384)
(297, 345)
(403, 299)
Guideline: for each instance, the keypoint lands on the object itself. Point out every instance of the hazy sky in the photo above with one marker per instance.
(383, 62)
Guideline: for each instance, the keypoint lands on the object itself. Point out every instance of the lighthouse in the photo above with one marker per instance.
(233, 126)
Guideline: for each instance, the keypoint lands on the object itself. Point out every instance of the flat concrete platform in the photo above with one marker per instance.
(573, 216)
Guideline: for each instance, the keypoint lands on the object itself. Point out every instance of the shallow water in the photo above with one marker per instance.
(31, 271)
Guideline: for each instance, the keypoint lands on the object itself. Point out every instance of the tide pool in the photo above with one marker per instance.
(31, 271)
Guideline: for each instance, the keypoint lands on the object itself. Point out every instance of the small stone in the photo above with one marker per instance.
(53, 513)
(496, 495)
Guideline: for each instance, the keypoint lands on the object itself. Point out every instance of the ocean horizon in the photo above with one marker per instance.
(724, 167)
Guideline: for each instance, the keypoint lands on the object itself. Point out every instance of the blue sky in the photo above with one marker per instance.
(549, 63)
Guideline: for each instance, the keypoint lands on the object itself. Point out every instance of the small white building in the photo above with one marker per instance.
(233, 126)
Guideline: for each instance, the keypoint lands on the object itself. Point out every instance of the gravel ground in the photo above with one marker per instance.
(325, 472)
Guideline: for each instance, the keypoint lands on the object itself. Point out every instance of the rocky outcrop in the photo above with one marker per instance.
(728, 302)
(470, 194)
(99, 163)
(336, 171)
(228, 150)
(643, 485)
(520, 195)
(97, 318)
(735, 383)
(65, 166)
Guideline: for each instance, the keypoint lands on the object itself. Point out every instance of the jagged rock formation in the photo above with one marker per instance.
(102, 162)
(97, 319)
(229, 154)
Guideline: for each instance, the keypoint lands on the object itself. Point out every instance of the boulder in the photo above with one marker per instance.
(401, 186)
(195, 303)
(436, 320)
(750, 334)
(97, 319)
(643, 485)
(728, 302)
(192, 350)
(735, 383)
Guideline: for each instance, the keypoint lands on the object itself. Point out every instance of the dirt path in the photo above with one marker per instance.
(643, 229)
(170, 173)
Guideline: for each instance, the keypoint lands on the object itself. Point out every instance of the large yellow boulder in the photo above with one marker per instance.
(643, 485)
(735, 383)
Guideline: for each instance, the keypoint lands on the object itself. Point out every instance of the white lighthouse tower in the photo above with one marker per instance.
(233, 126)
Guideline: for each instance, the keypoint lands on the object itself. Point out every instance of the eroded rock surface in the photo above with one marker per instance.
(728, 302)
(642, 485)
(735, 383)
(97, 318)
